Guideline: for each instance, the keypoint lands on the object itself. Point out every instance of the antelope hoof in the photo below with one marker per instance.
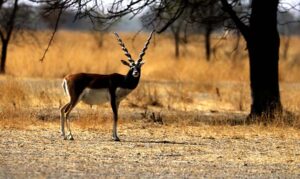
(116, 139)
(69, 137)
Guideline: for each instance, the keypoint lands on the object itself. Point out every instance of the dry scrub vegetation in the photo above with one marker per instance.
(185, 119)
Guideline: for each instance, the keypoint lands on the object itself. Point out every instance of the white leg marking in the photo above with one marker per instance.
(62, 120)
(68, 124)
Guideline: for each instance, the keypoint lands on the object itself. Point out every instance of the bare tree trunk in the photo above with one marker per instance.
(176, 41)
(286, 46)
(101, 39)
(208, 31)
(3, 56)
(263, 47)
(176, 35)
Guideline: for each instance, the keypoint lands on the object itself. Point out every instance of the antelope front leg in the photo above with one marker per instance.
(115, 106)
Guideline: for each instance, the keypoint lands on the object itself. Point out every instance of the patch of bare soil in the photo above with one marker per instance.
(150, 150)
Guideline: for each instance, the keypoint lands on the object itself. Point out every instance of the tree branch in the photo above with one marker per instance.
(2, 36)
(11, 22)
(244, 29)
(176, 15)
(53, 34)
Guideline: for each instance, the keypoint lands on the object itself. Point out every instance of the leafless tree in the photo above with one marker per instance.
(16, 24)
(7, 25)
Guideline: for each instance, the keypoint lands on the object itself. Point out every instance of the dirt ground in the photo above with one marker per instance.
(150, 150)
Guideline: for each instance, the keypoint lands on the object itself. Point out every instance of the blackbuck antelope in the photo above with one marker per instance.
(99, 88)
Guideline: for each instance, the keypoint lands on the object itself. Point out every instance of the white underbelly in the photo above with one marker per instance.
(100, 96)
(95, 96)
(121, 93)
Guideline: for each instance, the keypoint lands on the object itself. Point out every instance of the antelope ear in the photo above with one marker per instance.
(125, 63)
(142, 63)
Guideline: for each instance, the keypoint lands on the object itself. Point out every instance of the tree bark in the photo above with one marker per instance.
(286, 46)
(3, 56)
(208, 31)
(263, 47)
(176, 40)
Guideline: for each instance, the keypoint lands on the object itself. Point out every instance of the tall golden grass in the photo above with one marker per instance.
(74, 52)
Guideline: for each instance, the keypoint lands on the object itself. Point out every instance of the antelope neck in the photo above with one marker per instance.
(130, 82)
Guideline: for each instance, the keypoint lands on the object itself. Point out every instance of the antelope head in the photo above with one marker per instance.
(135, 66)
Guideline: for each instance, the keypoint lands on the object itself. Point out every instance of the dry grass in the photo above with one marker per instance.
(185, 114)
(78, 52)
(187, 84)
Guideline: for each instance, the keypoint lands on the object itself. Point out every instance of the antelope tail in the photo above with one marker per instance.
(65, 87)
